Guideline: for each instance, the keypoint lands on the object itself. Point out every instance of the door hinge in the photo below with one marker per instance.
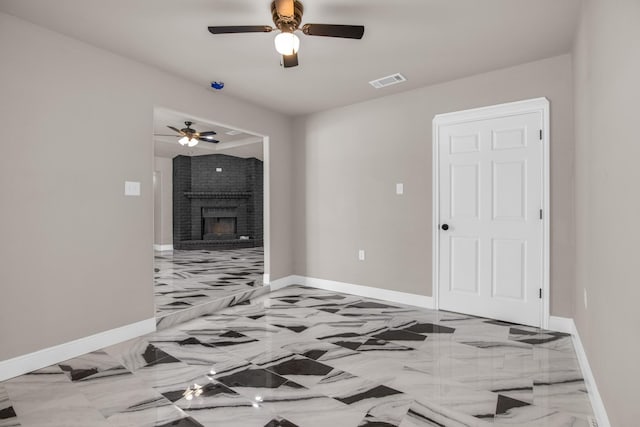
(540, 214)
(540, 134)
(540, 293)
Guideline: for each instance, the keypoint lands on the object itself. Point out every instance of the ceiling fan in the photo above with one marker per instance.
(287, 16)
(191, 137)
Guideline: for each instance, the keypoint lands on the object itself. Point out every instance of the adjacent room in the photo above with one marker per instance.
(319, 213)
(208, 189)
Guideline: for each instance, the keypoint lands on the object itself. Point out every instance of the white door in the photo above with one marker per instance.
(490, 185)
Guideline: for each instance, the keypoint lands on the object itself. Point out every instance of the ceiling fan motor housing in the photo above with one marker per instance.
(287, 24)
(188, 129)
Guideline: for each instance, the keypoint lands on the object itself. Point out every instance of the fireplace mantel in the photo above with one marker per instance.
(217, 194)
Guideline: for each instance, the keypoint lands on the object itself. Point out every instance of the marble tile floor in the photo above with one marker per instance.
(306, 357)
(189, 284)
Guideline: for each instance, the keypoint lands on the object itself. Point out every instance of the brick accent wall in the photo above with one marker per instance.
(181, 184)
(198, 183)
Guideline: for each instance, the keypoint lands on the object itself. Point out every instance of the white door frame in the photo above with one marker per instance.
(512, 108)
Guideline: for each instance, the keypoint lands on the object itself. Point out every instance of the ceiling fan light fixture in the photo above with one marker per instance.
(188, 141)
(287, 43)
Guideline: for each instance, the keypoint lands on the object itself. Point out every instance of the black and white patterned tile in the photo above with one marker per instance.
(305, 357)
(190, 284)
(8, 417)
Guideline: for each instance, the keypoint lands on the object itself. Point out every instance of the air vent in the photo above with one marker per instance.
(388, 81)
(233, 132)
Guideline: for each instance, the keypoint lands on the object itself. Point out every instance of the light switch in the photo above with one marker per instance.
(218, 169)
(131, 188)
(361, 254)
(400, 188)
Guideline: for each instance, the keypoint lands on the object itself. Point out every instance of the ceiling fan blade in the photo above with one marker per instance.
(289, 61)
(214, 141)
(285, 7)
(208, 138)
(208, 133)
(328, 30)
(175, 130)
(232, 29)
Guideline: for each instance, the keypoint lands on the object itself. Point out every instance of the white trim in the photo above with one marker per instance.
(501, 110)
(42, 358)
(561, 324)
(370, 292)
(594, 395)
(567, 325)
(287, 281)
(491, 111)
(266, 205)
(350, 288)
(435, 214)
(162, 248)
(546, 210)
(265, 279)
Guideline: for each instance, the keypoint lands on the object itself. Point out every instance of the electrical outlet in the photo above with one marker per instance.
(586, 301)
(361, 254)
(399, 188)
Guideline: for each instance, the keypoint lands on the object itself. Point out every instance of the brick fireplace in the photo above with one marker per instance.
(217, 202)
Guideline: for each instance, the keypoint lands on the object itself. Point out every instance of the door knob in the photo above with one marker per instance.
(445, 227)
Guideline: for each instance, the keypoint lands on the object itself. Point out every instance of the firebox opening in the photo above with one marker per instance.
(219, 223)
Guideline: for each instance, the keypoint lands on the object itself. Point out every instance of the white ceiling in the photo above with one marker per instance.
(166, 144)
(428, 41)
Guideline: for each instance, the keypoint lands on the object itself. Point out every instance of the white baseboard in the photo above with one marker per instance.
(162, 247)
(287, 281)
(568, 326)
(349, 288)
(594, 395)
(371, 292)
(561, 324)
(46, 357)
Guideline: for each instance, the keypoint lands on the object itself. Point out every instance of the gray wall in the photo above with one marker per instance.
(77, 254)
(348, 160)
(607, 71)
(163, 206)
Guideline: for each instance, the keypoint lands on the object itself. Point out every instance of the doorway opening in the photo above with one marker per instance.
(210, 228)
